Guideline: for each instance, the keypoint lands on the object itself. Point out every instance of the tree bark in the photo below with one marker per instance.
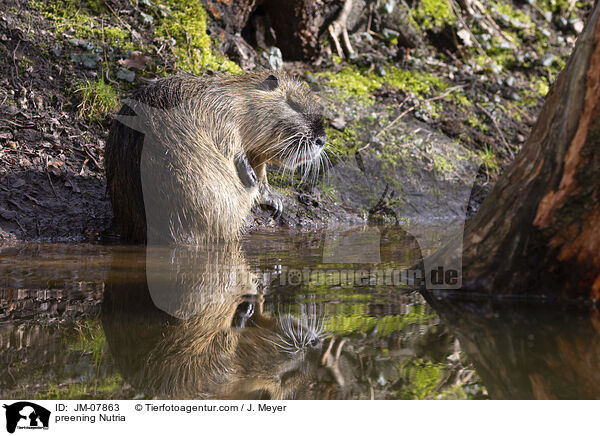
(538, 232)
(296, 26)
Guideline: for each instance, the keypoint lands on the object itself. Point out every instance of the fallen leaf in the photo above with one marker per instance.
(136, 60)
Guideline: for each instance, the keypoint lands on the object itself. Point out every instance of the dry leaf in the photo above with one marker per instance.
(136, 60)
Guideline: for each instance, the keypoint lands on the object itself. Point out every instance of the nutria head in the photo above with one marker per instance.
(214, 340)
(280, 119)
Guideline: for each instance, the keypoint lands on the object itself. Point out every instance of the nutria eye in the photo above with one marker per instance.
(269, 84)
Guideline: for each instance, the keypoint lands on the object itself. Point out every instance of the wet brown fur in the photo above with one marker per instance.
(202, 355)
(198, 126)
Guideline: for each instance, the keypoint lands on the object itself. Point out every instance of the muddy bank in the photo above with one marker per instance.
(416, 133)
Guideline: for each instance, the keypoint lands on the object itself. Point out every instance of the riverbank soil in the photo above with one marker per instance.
(423, 97)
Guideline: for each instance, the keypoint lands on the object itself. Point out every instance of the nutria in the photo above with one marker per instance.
(217, 341)
(191, 162)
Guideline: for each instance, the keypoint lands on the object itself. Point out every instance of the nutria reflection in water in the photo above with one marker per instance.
(191, 324)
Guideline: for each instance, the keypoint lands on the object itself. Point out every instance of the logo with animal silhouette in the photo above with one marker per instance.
(26, 415)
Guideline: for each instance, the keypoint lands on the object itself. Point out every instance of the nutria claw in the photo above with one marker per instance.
(245, 171)
(270, 201)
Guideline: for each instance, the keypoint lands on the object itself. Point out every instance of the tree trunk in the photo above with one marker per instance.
(296, 26)
(538, 232)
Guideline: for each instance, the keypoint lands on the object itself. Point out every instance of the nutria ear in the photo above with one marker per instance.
(269, 84)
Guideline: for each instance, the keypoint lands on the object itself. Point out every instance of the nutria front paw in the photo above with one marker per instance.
(270, 200)
(245, 171)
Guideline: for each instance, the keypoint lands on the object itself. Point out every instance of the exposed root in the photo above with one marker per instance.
(331, 358)
(339, 28)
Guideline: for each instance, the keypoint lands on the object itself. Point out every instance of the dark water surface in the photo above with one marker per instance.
(277, 316)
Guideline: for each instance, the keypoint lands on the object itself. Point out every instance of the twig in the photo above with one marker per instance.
(495, 123)
(92, 157)
(106, 70)
(83, 166)
(522, 112)
(14, 56)
(21, 227)
(468, 29)
(33, 199)
(17, 124)
(339, 27)
(127, 26)
(399, 117)
(50, 180)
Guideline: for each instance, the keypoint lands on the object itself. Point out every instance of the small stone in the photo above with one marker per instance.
(338, 123)
(146, 19)
(275, 58)
(465, 37)
(562, 22)
(127, 75)
(576, 25)
(163, 10)
(56, 50)
(547, 60)
(390, 34)
(8, 214)
(389, 5)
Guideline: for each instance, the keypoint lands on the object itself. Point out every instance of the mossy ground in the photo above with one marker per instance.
(71, 61)
(171, 34)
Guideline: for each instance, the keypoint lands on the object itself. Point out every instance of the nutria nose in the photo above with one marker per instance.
(320, 140)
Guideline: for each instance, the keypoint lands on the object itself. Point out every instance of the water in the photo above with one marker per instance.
(271, 317)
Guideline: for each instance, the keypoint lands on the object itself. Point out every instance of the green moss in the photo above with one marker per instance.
(97, 99)
(109, 387)
(441, 164)
(353, 83)
(359, 84)
(460, 99)
(186, 22)
(509, 11)
(554, 6)
(432, 13)
(354, 320)
(417, 83)
(540, 86)
(90, 339)
(423, 377)
(346, 140)
(81, 19)
(329, 192)
(474, 121)
(488, 159)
